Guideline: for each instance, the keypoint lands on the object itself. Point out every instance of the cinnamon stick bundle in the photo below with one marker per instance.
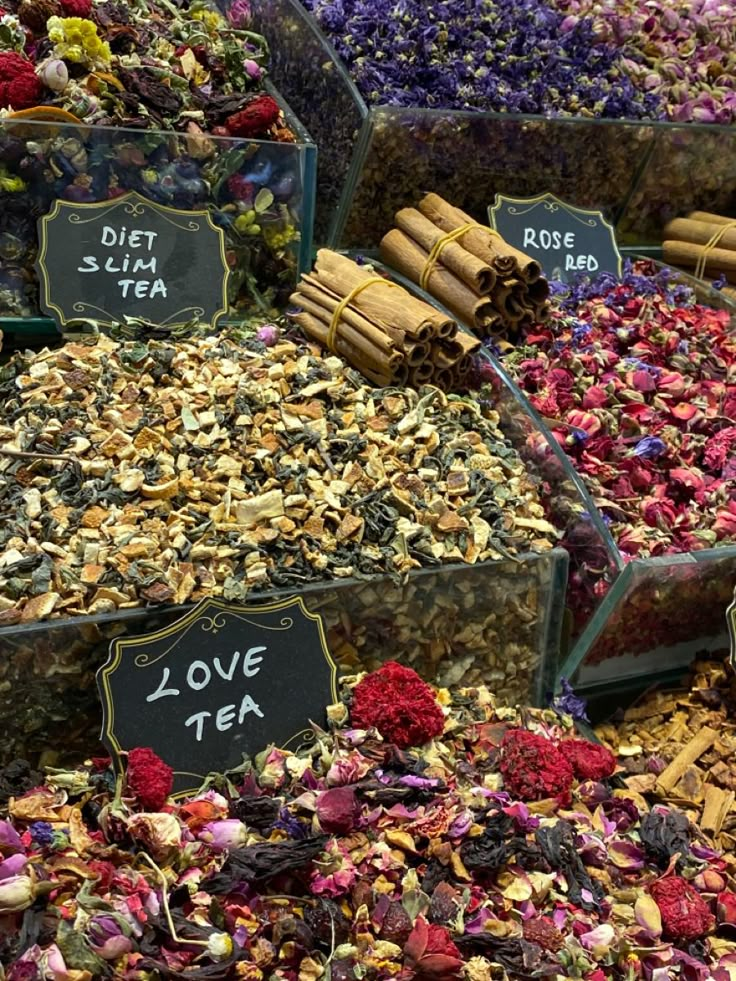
(407, 257)
(483, 244)
(389, 335)
(492, 287)
(686, 254)
(702, 242)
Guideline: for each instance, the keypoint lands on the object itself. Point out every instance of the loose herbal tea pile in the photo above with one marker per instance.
(678, 747)
(137, 473)
(638, 382)
(491, 286)
(427, 834)
(184, 71)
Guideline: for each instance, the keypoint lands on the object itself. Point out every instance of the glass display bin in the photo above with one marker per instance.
(42, 162)
(497, 623)
(625, 619)
(374, 161)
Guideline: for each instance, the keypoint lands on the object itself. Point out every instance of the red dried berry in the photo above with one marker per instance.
(399, 704)
(20, 87)
(77, 8)
(256, 119)
(589, 761)
(533, 768)
(685, 914)
(149, 779)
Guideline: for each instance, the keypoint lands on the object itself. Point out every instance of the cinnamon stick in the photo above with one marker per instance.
(315, 329)
(700, 232)
(381, 302)
(478, 275)
(688, 254)
(407, 257)
(699, 744)
(504, 258)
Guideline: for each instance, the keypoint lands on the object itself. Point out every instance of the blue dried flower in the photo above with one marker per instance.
(502, 56)
(42, 833)
(568, 703)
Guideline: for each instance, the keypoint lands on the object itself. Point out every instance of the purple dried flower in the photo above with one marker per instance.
(268, 334)
(239, 14)
(567, 703)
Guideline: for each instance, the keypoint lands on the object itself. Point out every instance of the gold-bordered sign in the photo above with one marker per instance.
(731, 618)
(566, 240)
(131, 258)
(221, 682)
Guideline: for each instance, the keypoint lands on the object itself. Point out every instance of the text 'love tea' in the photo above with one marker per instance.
(566, 241)
(219, 683)
(131, 258)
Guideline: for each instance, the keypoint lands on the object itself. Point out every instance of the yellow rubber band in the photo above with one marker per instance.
(440, 245)
(711, 244)
(344, 303)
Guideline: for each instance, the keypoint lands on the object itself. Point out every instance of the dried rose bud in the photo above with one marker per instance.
(54, 75)
(224, 835)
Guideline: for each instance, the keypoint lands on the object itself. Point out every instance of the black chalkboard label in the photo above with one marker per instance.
(566, 241)
(219, 683)
(131, 258)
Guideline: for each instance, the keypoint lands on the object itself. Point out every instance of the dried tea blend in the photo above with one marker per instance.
(145, 473)
(426, 833)
(99, 98)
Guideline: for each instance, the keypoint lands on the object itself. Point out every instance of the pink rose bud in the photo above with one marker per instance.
(224, 835)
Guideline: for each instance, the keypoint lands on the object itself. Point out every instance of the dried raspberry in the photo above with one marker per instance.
(685, 914)
(149, 779)
(533, 768)
(399, 704)
(444, 905)
(590, 761)
(396, 925)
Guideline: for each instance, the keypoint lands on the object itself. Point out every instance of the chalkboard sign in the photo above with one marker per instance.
(131, 258)
(219, 683)
(566, 241)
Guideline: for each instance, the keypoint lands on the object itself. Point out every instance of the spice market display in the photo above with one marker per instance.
(425, 834)
(499, 495)
(101, 98)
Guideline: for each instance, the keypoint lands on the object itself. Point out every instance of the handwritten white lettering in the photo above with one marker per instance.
(162, 690)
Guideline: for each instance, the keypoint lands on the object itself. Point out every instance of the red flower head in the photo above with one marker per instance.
(256, 119)
(149, 779)
(77, 8)
(399, 704)
(533, 768)
(589, 760)
(685, 914)
(20, 87)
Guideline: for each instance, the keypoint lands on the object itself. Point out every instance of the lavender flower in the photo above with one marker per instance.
(508, 56)
(568, 703)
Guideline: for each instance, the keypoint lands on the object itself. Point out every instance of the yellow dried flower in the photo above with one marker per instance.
(76, 39)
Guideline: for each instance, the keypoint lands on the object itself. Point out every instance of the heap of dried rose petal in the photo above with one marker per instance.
(478, 854)
(638, 383)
